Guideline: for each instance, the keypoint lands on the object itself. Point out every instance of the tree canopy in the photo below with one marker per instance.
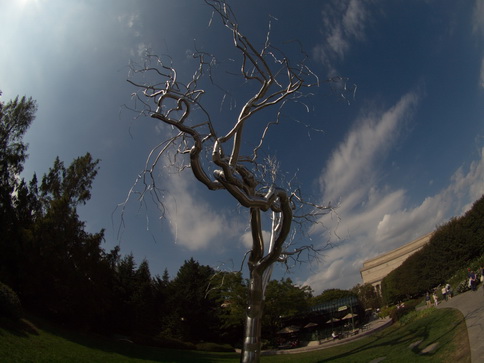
(452, 246)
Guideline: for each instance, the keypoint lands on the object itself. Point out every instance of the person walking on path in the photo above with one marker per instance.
(473, 281)
(471, 275)
(436, 299)
(444, 293)
(448, 288)
(427, 299)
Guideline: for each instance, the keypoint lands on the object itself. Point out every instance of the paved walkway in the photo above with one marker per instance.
(471, 304)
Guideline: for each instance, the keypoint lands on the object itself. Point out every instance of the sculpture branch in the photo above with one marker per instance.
(276, 82)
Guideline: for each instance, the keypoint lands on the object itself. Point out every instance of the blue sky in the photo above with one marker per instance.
(405, 155)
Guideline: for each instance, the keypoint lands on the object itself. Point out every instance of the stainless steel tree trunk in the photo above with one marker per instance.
(253, 323)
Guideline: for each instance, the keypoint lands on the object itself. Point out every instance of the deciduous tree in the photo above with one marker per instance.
(283, 300)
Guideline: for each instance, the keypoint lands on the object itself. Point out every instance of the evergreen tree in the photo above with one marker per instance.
(123, 312)
(71, 259)
(192, 310)
(16, 117)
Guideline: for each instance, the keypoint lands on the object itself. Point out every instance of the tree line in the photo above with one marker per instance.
(453, 246)
(62, 272)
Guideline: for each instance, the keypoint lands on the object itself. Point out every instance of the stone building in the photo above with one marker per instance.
(375, 269)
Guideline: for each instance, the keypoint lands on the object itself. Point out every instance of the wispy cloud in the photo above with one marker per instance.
(342, 23)
(376, 217)
(354, 160)
(195, 223)
(478, 18)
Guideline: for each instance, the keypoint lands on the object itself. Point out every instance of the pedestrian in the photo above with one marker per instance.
(444, 293)
(436, 299)
(427, 299)
(472, 280)
(449, 290)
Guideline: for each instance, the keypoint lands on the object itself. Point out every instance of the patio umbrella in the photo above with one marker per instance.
(349, 316)
(332, 320)
(310, 325)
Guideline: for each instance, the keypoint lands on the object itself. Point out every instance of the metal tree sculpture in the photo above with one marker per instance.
(175, 103)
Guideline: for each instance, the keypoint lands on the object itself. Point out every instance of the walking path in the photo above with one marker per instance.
(471, 305)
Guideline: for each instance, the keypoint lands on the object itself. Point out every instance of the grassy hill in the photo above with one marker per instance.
(427, 336)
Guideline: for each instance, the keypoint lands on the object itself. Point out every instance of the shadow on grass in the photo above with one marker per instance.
(404, 336)
(379, 341)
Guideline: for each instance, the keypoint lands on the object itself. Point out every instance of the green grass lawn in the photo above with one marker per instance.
(42, 342)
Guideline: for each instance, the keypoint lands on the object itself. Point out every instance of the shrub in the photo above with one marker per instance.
(463, 286)
(397, 314)
(386, 311)
(10, 305)
(412, 303)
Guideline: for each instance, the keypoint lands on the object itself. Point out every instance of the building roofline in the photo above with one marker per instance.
(380, 259)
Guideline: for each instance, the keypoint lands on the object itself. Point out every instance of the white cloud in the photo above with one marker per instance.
(354, 19)
(351, 168)
(376, 218)
(343, 22)
(194, 222)
(464, 189)
(478, 18)
(331, 273)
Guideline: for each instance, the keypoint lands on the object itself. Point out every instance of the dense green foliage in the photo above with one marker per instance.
(367, 295)
(193, 312)
(283, 300)
(453, 246)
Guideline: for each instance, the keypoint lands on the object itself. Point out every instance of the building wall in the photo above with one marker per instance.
(375, 269)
